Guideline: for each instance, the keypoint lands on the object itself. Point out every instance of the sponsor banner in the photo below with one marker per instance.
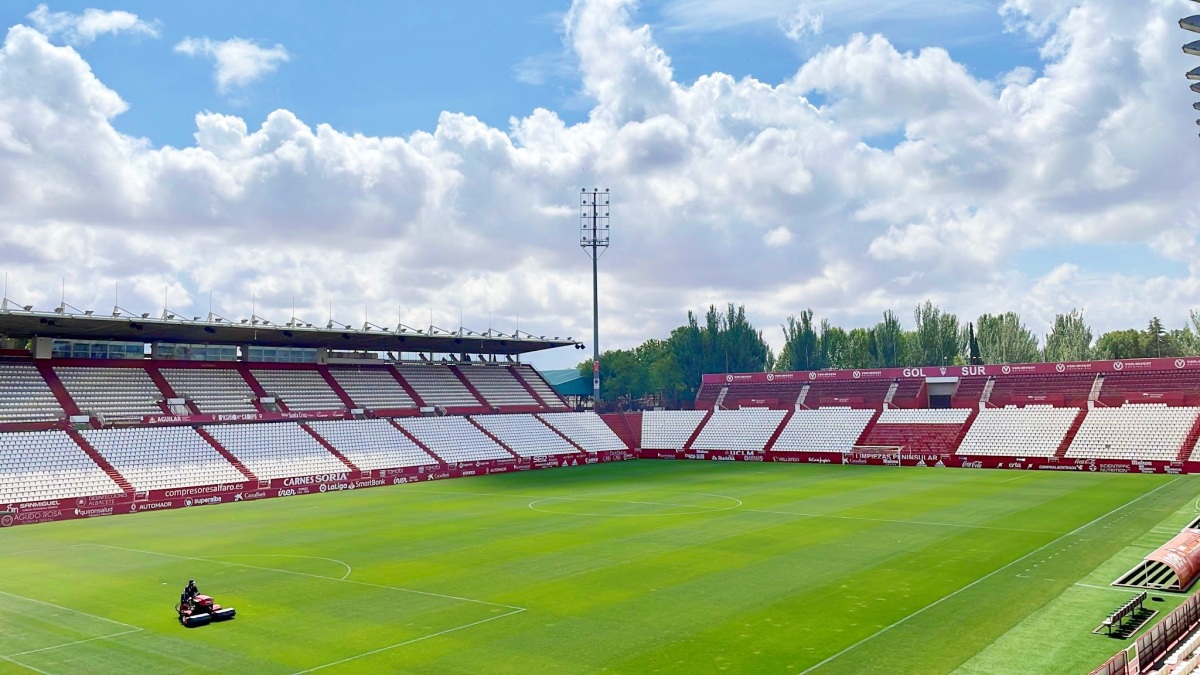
(28, 513)
(217, 418)
(1029, 399)
(923, 460)
(1131, 365)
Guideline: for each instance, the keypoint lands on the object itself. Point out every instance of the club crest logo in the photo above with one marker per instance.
(1006, 370)
(729, 378)
(1117, 365)
(1060, 367)
(1179, 363)
(812, 376)
(857, 374)
(770, 377)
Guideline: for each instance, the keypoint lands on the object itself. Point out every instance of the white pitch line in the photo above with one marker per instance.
(306, 574)
(25, 666)
(38, 550)
(409, 642)
(283, 555)
(901, 522)
(540, 498)
(739, 508)
(51, 604)
(1105, 588)
(991, 574)
(77, 642)
(1024, 475)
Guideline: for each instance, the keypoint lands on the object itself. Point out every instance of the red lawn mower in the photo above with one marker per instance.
(201, 610)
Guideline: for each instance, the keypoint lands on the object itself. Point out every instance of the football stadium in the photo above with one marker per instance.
(185, 492)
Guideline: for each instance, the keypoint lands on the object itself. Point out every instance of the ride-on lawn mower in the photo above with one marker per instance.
(201, 610)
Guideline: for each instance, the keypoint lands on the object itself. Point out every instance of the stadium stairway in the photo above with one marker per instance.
(1189, 443)
(408, 388)
(159, 381)
(101, 462)
(419, 444)
(237, 463)
(866, 432)
(337, 388)
(1071, 431)
(699, 428)
(620, 425)
(474, 392)
(58, 389)
(168, 392)
(770, 444)
(329, 446)
(962, 433)
(494, 438)
(533, 394)
(555, 430)
(256, 387)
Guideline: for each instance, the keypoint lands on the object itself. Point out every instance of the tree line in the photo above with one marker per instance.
(667, 372)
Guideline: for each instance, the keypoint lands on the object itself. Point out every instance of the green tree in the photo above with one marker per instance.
(1121, 344)
(889, 342)
(1070, 339)
(835, 346)
(662, 374)
(1004, 339)
(1157, 341)
(973, 355)
(801, 344)
(727, 342)
(936, 339)
(860, 349)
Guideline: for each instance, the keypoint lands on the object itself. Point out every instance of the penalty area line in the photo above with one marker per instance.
(312, 576)
(24, 665)
(980, 580)
(409, 642)
(71, 644)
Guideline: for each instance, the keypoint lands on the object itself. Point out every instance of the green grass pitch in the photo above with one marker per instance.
(636, 567)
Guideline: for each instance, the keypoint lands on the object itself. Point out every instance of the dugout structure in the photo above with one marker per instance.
(1173, 567)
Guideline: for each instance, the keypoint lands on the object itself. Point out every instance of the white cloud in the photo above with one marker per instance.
(802, 23)
(778, 237)
(237, 62)
(92, 23)
(716, 15)
(715, 180)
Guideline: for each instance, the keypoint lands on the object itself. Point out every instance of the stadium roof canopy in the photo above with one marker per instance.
(568, 382)
(22, 324)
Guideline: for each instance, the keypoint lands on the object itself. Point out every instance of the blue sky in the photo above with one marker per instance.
(390, 68)
(850, 156)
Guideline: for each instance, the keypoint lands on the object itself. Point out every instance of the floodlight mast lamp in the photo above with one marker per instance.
(593, 234)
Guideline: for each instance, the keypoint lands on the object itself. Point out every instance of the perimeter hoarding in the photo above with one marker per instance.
(52, 510)
(1008, 370)
(869, 458)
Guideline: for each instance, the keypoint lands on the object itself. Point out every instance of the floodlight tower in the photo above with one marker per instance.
(593, 234)
(1192, 23)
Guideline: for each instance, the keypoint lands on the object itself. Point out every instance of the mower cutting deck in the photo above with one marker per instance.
(202, 610)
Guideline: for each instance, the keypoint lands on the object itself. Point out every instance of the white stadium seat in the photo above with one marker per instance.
(160, 458)
(39, 465)
(276, 449)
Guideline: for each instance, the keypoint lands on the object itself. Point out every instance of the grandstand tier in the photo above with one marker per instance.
(526, 435)
(747, 429)
(823, 430)
(585, 430)
(918, 431)
(1032, 431)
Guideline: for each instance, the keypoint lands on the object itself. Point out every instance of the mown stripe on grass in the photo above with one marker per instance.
(980, 580)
